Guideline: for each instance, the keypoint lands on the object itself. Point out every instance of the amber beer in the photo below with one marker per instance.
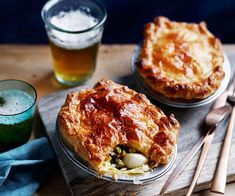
(74, 29)
(74, 65)
(74, 54)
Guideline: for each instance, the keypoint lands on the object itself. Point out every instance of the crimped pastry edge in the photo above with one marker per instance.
(171, 88)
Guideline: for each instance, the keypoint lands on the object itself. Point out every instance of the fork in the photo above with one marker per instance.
(219, 180)
(208, 142)
(213, 118)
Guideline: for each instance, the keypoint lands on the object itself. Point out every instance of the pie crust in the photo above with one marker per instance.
(180, 60)
(93, 122)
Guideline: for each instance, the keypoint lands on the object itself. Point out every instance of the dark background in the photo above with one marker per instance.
(20, 20)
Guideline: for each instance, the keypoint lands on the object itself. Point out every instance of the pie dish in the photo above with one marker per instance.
(116, 130)
(180, 60)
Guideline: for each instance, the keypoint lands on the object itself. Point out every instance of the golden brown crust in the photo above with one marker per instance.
(95, 121)
(180, 60)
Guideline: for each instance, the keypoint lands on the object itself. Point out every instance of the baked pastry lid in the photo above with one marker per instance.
(149, 176)
(179, 103)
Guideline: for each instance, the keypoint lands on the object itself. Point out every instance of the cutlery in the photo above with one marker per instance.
(220, 177)
(212, 120)
(221, 101)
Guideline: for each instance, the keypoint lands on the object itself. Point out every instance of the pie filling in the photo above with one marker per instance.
(126, 160)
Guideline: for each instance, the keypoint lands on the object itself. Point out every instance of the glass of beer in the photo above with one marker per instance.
(74, 29)
(17, 107)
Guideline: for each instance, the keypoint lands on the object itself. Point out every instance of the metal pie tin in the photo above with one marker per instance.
(180, 103)
(155, 174)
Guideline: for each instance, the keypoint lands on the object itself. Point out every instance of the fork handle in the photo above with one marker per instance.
(205, 149)
(220, 177)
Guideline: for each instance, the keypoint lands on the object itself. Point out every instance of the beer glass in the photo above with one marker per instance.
(17, 108)
(74, 29)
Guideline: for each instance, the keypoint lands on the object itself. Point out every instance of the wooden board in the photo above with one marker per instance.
(191, 121)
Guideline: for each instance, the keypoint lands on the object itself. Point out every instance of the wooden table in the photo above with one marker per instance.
(33, 64)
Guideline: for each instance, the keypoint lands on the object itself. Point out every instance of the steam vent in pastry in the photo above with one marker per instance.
(180, 60)
(117, 130)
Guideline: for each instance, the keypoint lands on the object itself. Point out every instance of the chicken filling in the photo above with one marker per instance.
(124, 158)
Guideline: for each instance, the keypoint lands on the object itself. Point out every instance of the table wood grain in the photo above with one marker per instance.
(32, 63)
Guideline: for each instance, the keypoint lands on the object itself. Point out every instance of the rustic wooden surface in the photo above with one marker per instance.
(33, 64)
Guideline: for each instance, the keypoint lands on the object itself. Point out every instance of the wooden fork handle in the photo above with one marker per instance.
(205, 149)
(220, 177)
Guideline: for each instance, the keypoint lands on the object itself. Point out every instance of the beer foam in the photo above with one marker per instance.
(15, 101)
(74, 20)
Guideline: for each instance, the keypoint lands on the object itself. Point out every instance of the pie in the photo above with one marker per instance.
(117, 130)
(180, 60)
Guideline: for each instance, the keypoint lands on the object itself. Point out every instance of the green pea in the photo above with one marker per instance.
(119, 150)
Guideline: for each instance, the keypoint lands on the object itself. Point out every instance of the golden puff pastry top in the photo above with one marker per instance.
(181, 60)
(95, 121)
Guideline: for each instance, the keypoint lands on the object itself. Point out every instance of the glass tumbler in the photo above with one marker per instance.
(17, 108)
(74, 29)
